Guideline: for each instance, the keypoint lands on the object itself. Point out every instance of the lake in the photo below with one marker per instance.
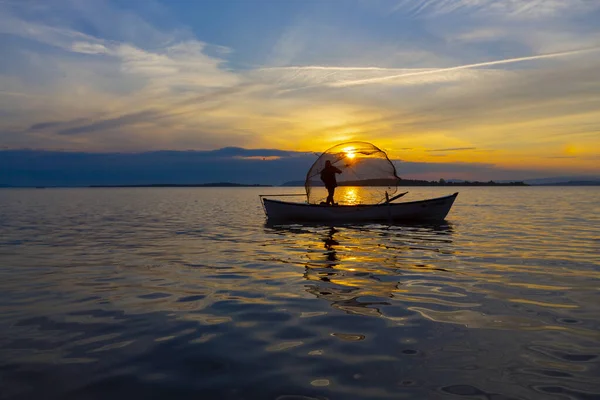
(188, 293)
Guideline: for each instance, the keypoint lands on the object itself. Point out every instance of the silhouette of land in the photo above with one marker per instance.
(411, 182)
(214, 184)
(366, 182)
(571, 183)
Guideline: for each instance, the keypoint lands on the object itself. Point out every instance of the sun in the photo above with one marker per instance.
(350, 152)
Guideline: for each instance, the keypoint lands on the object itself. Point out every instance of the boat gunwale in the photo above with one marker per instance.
(448, 197)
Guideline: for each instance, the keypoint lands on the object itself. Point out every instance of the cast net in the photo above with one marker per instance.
(366, 175)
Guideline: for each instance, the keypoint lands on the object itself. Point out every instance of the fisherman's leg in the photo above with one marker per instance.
(330, 191)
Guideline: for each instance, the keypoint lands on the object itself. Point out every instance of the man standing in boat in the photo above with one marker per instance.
(328, 178)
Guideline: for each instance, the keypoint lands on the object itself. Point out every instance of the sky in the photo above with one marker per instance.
(505, 89)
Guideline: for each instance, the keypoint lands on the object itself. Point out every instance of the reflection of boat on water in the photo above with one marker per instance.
(360, 165)
(342, 296)
(422, 210)
(359, 269)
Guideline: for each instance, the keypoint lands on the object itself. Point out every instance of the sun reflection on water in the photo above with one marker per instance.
(349, 271)
(372, 277)
(350, 196)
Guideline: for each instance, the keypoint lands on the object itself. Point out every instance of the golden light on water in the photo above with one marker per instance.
(350, 196)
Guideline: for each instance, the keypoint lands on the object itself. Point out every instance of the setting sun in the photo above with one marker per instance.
(350, 152)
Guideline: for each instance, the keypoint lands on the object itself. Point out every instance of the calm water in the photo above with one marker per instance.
(187, 293)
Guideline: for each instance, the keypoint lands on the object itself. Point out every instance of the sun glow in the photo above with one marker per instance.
(350, 195)
(350, 152)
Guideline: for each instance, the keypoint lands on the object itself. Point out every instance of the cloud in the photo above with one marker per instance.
(180, 64)
(310, 77)
(98, 85)
(121, 121)
(561, 157)
(60, 37)
(270, 166)
(232, 164)
(45, 125)
(89, 48)
(503, 8)
(263, 158)
(453, 149)
(444, 71)
(480, 35)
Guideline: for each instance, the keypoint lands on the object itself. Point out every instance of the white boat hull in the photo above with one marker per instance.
(429, 210)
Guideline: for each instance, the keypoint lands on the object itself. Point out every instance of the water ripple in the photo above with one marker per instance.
(187, 293)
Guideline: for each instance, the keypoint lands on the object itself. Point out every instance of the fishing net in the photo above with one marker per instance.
(366, 175)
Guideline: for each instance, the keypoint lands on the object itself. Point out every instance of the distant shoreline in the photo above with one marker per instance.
(150, 185)
(442, 183)
(290, 186)
(218, 184)
(412, 182)
(294, 184)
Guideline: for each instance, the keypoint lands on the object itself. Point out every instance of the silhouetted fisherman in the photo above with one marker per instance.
(328, 178)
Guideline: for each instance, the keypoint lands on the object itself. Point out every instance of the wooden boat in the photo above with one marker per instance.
(359, 164)
(429, 210)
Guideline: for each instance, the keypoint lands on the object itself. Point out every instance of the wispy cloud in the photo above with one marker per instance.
(310, 77)
(54, 124)
(107, 124)
(561, 157)
(462, 67)
(263, 158)
(453, 149)
(511, 8)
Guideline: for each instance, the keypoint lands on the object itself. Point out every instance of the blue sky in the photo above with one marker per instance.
(511, 83)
